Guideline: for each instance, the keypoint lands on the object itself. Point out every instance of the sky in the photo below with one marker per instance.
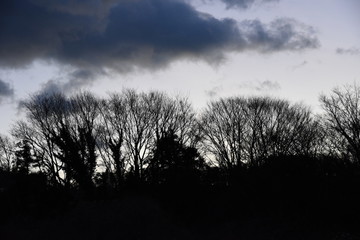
(201, 49)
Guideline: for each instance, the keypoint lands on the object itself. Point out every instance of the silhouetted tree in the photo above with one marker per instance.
(342, 121)
(174, 163)
(263, 155)
(147, 116)
(7, 156)
(23, 158)
(67, 133)
(280, 128)
(223, 125)
(240, 131)
(111, 136)
(62, 132)
(39, 129)
(76, 138)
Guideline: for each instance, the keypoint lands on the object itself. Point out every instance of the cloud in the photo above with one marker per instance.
(98, 8)
(281, 34)
(348, 51)
(71, 82)
(302, 64)
(5, 90)
(261, 86)
(213, 92)
(267, 85)
(127, 35)
(244, 4)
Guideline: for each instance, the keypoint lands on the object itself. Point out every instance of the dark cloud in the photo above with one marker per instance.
(32, 31)
(152, 33)
(125, 35)
(244, 4)
(6, 91)
(348, 51)
(97, 8)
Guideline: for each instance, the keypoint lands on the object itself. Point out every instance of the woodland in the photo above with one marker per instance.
(146, 165)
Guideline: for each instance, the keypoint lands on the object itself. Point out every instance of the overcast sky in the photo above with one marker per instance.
(203, 49)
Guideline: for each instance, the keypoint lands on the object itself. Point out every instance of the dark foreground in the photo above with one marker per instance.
(280, 200)
(214, 213)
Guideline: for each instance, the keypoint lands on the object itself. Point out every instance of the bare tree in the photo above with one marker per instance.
(148, 116)
(62, 133)
(342, 120)
(224, 127)
(280, 128)
(138, 130)
(132, 124)
(241, 131)
(68, 133)
(111, 137)
(39, 130)
(7, 157)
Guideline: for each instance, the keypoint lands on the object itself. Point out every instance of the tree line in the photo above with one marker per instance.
(131, 138)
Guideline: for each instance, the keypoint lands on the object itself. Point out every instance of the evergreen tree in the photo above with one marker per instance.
(23, 157)
(173, 162)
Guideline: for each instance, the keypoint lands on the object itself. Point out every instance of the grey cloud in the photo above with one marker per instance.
(244, 4)
(281, 34)
(140, 33)
(267, 85)
(348, 51)
(74, 80)
(32, 31)
(261, 86)
(6, 91)
(213, 92)
(52, 86)
(299, 65)
(80, 78)
(126, 35)
(151, 34)
(97, 8)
